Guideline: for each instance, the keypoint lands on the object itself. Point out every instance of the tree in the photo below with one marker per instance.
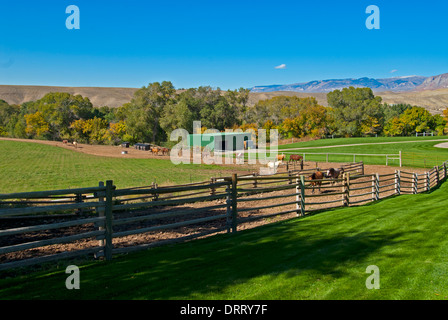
(445, 117)
(36, 125)
(353, 107)
(176, 115)
(415, 119)
(146, 108)
(279, 108)
(59, 110)
(90, 130)
(8, 118)
(238, 99)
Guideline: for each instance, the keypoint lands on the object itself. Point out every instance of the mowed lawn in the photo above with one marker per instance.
(416, 151)
(322, 256)
(37, 167)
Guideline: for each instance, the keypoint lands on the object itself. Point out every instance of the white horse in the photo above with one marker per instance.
(274, 165)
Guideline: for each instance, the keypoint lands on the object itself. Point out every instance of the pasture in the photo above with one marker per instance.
(38, 167)
(322, 256)
(417, 152)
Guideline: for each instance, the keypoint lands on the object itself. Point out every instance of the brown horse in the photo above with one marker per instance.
(316, 179)
(155, 150)
(333, 173)
(165, 151)
(295, 157)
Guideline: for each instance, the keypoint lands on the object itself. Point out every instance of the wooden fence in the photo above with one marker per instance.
(343, 157)
(102, 221)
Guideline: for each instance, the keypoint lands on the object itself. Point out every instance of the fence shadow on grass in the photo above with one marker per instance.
(211, 265)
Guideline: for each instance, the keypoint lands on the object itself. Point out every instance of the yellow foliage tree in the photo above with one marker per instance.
(36, 124)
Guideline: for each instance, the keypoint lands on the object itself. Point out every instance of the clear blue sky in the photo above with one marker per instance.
(227, 44)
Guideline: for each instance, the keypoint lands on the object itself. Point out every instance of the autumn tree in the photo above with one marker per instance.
(36, 125)
(412, 120)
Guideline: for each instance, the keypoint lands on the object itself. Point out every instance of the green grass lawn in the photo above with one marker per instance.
(37, 167)
(322, 256)
(414, 154)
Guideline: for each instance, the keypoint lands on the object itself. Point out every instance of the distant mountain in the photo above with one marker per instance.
(397, 84)
(436, 82)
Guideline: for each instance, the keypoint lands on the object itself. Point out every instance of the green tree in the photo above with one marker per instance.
(353, 107)
(146, 109)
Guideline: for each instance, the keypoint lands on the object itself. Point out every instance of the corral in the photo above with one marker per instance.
(104, 220)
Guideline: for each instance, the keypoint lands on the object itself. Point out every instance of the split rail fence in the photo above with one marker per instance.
(39, 227)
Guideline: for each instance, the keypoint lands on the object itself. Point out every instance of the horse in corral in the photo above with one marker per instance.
(165, 151)
(333, 173)
(316, 179)
(75, 144)
(295, 157)
(65, 141)
(281, 157)
(155, 150)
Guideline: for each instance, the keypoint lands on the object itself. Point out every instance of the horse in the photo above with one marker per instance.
(316, 176)
(75, 144)
(273, 165)
(155, 150)
(280, 157)
(295, 157)
(65, 141)
(165, 151)
(333, 173)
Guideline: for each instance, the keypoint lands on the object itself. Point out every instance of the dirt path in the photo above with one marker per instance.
(442, 145)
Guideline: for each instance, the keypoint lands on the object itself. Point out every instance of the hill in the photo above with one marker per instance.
(112, 97)
(433, 100)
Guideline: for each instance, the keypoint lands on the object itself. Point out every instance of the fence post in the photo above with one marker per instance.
(444, 170)
(298, 195)
(346, 190)
(437, 175)
(302, 195)
(109, 217)
(100, 211)
(255, 180)
(415, 184)
(212, 189)
(428, 181)
(377, 186)
(234, 202)
(373, 188)
(79, 199)
(397, 182)
(229, 205)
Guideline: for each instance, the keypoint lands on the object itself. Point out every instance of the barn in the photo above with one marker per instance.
(223, 141)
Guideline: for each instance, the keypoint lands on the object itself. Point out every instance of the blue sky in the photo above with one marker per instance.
(227, 44)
